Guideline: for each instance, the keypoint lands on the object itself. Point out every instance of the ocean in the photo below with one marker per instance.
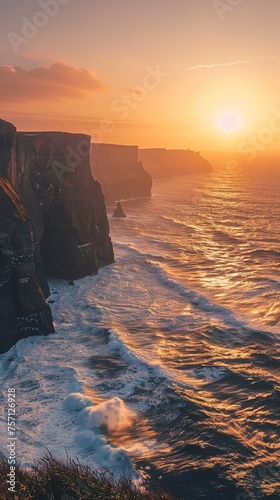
(165, 366)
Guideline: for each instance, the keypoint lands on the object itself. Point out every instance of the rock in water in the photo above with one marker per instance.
(23, 309)
(119, 213)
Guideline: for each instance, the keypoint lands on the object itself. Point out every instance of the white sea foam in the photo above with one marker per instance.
(50, 375)
(77, 401)
(49, 393)
(211, 373)
(112, 414)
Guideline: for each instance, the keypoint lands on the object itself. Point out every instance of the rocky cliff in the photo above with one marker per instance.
(65, 203)
(7, 150)
(23, 309)
(62, 230)
(119, 172)
(164, 162)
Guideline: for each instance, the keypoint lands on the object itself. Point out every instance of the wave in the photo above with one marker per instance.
(45, 386)
(164, 270)
(196, 299)
(265, 254)
(223, 237)
(179, 223)
(133, 250)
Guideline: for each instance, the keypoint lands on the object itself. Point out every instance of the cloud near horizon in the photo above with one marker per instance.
(57, 82)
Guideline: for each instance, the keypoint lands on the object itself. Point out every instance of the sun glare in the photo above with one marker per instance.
(229, 122)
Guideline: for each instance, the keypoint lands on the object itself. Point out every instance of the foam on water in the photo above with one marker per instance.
(50, 376)
(49, 393)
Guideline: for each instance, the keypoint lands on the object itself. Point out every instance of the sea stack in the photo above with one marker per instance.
(119, 213)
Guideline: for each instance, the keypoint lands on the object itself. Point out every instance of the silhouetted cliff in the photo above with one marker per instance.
(119, 172)
(65, 203)
(23, 309)
(164, 162)
(62, 230)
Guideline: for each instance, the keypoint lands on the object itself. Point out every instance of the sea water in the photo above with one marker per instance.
(165, 366)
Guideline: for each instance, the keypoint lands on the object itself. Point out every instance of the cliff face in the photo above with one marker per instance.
(62, 230)
(65, 203)
(23, 309)
(163, 162)
(7, 150)
(119, 172)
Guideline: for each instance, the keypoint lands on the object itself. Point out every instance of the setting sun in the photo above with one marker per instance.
(229, 122)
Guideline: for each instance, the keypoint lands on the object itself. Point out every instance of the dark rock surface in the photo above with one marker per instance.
(165, 163)
(65, 203)
(62, 230)
(119, 213)
(7, 150)
(23, 309)
(119, 172)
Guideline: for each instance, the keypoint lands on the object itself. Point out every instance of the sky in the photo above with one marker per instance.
(198, 74)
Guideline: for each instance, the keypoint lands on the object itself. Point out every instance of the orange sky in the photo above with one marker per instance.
(168, 73)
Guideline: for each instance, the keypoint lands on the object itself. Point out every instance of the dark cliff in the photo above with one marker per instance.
(65, 203)
(164, 162)
(119, 172)
(62, 230)
(7, 150)
(23, 309)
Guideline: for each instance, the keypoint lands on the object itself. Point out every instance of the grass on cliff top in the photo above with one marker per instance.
(52, 479)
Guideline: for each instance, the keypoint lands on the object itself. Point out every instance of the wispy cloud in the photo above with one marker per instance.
(233, 63)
